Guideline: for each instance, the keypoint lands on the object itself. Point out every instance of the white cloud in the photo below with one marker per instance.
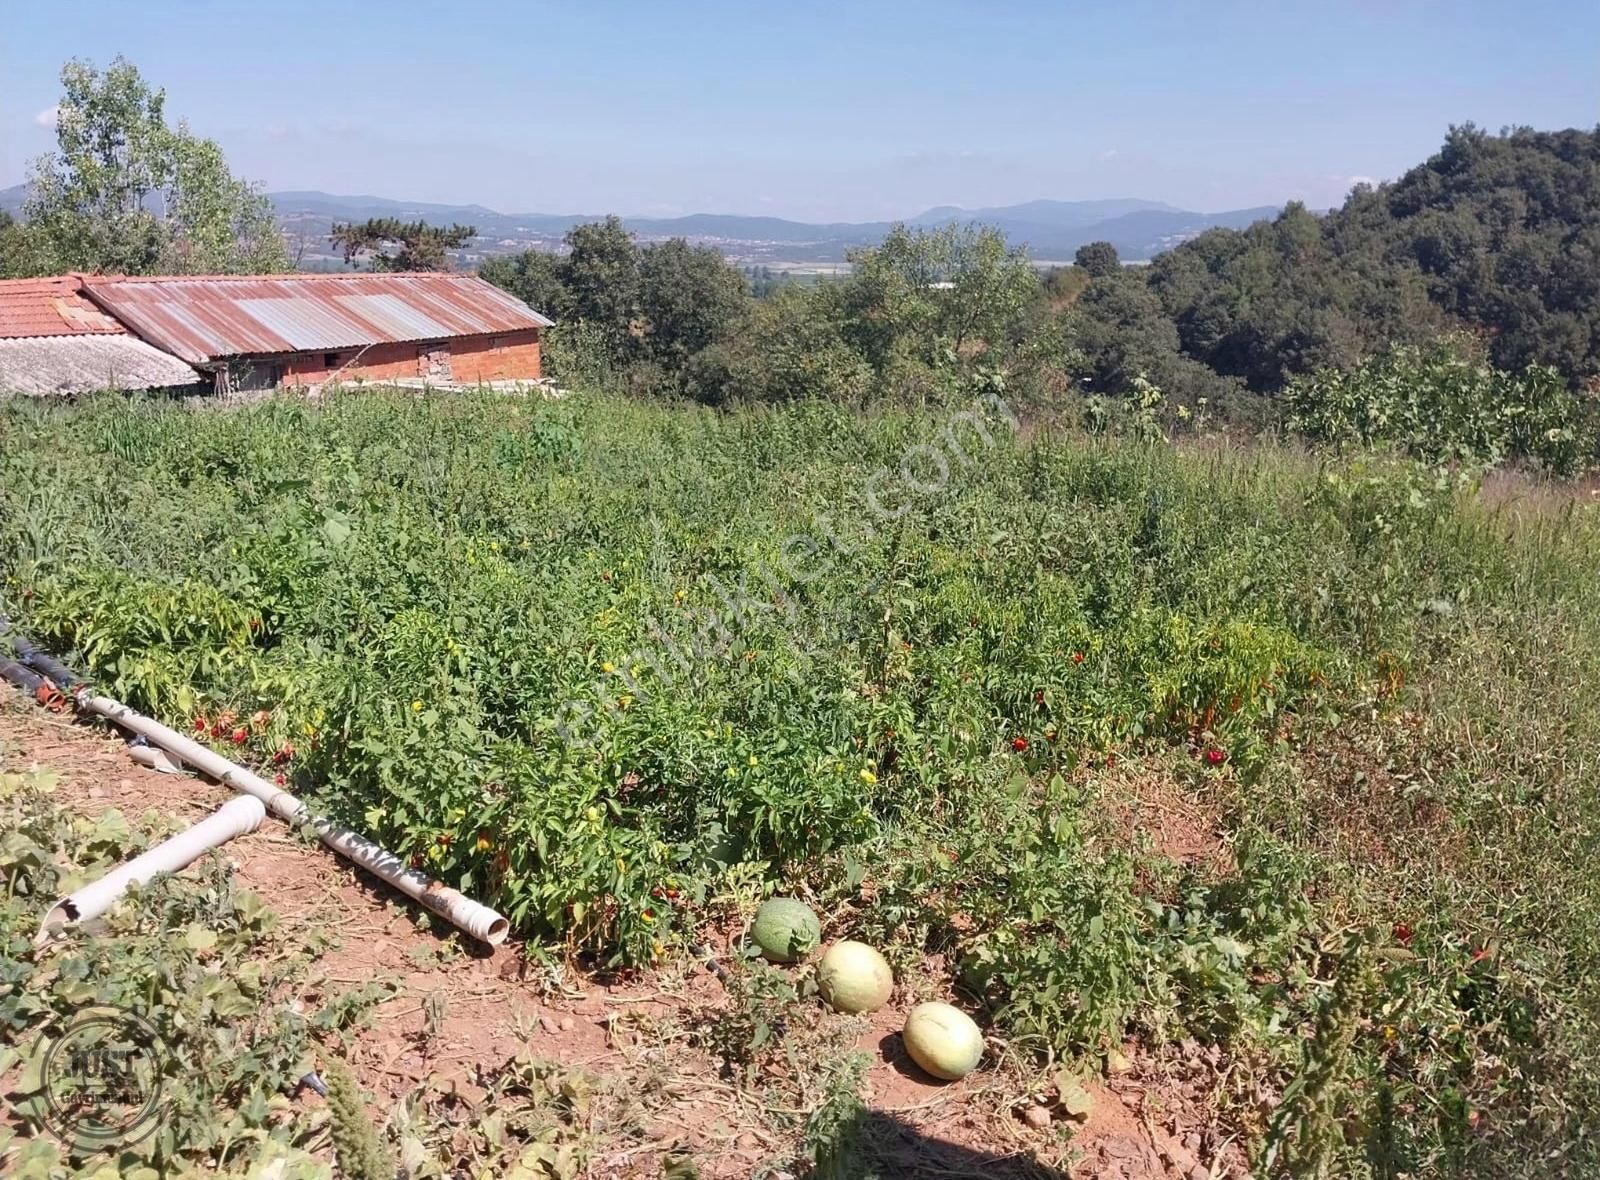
(1109, 154)
(47, 117)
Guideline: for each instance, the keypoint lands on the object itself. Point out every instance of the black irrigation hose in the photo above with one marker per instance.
(65, 678)
(62, 676)
(36, 672)
(23, 677)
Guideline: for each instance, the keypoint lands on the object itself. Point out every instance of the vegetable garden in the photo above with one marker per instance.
(600, 662)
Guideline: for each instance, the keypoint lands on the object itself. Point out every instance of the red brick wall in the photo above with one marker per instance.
(377, 363)
(510, 357)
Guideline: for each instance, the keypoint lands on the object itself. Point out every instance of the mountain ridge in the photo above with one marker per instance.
(1051, 230)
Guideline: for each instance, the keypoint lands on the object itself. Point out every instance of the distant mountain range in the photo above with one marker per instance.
(1051, 230)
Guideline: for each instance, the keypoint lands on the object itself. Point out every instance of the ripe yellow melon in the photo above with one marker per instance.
(853, 977)
(943, 1040)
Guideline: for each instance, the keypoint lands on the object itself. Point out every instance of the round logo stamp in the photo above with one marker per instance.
(102, 1079)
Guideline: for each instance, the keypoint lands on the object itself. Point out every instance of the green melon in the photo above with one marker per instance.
(943, 1040)
(786, 930)
(853, 977)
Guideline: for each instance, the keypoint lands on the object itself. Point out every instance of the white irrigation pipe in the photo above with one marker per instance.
(236, 817)
(154, 758)
(460, 911)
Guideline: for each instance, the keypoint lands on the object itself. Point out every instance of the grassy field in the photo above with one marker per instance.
(619, 669)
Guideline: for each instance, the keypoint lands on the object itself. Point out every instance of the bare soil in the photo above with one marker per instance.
(1146, 806)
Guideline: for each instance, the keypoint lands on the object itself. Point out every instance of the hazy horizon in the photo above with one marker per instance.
(628, 214)
(832, 113)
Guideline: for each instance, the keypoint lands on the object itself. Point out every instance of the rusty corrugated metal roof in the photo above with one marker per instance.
(50, 307)
(214, 317)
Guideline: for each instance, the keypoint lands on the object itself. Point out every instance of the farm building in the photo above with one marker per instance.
(266, 331)
(54, 340)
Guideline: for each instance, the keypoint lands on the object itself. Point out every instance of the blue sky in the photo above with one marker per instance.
(819, 111)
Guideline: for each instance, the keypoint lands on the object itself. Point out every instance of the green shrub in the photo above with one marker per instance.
(1441, 406)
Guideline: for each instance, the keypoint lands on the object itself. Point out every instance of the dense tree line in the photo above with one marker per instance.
(1499, 234)
(649, 312)
(1492, 246)
(672, 316)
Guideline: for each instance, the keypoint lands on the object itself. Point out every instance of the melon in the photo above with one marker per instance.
(853, 977)
(786, 930)
(943, 1040)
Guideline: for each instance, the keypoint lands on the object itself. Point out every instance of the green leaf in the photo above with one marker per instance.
(31, 1079)
(199, 938)
(1234, 950)
(336, 529)
(1075, 1100)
